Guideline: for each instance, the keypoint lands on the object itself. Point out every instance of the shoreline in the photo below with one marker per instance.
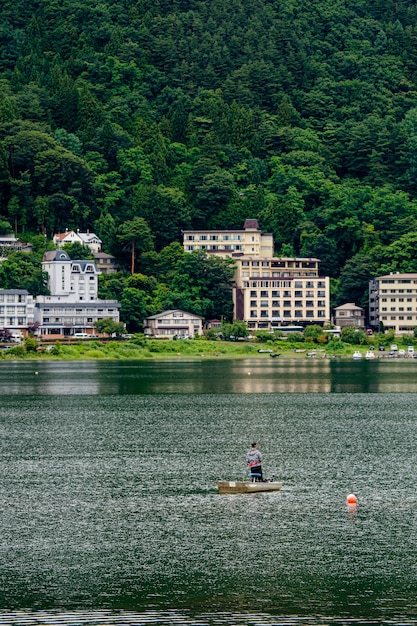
(188, 351)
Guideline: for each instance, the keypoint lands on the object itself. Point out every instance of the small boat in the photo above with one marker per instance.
(245, 486)
(275, 354)
(369, 355)
(357, 355)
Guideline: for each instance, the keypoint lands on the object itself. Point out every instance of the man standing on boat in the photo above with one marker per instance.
(254, 458)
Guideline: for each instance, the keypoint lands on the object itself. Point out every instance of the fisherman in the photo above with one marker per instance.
(254, 458)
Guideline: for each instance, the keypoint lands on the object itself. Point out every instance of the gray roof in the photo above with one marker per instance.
(56, 255)
(348, 306)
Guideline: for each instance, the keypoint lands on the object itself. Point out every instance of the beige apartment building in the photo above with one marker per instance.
(249, 241)
(393, 301)
(269, 291)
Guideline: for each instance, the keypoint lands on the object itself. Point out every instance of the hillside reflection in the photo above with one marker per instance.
(245, 376)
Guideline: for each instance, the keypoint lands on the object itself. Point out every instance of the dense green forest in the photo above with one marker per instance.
(193, 113)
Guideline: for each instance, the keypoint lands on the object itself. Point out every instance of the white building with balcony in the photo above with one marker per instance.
(73, 305)
(17, 308)
(91, 240)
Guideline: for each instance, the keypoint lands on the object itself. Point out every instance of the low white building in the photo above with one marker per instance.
(174, 323)
(16, 310)
(60, 318)
(91, 240)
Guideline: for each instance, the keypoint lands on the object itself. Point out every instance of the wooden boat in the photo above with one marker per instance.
(275, 354)
(245, 486)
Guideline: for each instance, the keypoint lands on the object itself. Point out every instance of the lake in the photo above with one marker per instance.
(110, 513)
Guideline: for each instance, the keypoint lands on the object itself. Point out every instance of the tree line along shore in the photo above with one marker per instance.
(139, 347)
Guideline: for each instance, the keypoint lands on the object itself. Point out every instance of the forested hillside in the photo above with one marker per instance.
(189, 113)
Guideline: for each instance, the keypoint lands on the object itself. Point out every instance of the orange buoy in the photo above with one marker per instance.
(351, 499)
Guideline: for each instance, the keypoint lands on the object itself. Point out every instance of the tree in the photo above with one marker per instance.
(354, 280)
(78, 251)
(109, 327)
(233, 330)
(137, 235)
(21, 271)
(352, 335)
(134, 307)
(312, 332)
(202, 284)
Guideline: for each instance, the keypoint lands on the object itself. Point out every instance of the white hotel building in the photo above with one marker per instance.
(16, 310)
(269, 291)
(73, 305)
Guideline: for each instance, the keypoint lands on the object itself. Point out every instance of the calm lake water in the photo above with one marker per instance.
(109, 512)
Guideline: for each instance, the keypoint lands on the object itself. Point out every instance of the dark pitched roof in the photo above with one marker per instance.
(251, 224)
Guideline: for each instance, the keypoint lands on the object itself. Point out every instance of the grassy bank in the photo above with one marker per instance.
(140, 349)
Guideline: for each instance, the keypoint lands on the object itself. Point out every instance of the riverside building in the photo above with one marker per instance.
(393, 301)
(72, 306)
(269, 292)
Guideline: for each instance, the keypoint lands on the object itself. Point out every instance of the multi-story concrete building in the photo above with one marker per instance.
(73, 305)
(77, 280)
(16, 310)
(269, 291)
(249, 241)
(393, 301)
